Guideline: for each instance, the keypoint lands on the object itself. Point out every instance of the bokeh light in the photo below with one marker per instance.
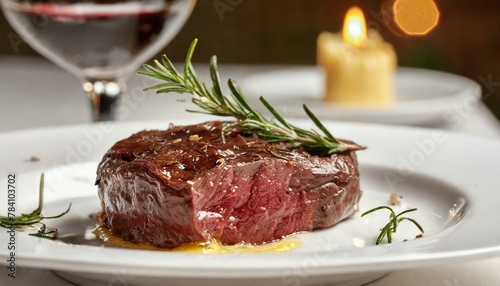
(415, 18)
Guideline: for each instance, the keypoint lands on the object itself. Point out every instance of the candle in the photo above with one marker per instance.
(359, 66)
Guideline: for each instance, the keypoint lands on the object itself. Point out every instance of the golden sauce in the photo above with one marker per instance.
(212, 247)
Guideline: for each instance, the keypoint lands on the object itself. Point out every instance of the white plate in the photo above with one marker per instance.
(452, 180)
(422, 96)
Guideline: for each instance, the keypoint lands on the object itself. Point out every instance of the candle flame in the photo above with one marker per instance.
(354, 31)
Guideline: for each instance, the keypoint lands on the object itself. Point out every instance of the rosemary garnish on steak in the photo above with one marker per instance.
(393, 223)
(33, 218)
(214, 102)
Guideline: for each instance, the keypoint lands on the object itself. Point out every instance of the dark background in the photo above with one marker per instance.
(466, 40)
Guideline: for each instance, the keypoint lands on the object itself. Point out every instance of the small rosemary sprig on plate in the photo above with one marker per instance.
(35, 217)
(214, 102)
(393, 223)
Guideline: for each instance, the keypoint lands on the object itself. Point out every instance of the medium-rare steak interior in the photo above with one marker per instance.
(187, 184)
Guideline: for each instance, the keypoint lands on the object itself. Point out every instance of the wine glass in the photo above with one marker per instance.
(100, 41)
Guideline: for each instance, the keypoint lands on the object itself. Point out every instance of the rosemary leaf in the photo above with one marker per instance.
(33, 218)
(275, 113)
(214, 102)
(392, 225)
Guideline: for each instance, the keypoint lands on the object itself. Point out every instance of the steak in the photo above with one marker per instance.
(187, 184)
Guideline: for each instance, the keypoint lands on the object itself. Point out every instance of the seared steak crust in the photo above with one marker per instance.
(186, 184)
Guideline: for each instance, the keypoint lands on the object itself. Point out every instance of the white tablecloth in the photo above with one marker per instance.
(35, 93)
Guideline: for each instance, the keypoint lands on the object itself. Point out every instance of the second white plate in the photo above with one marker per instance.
(423, 96)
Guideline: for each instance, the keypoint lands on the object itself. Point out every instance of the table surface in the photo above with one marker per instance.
(29, 87)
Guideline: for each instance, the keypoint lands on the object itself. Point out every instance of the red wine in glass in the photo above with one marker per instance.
(101, 42)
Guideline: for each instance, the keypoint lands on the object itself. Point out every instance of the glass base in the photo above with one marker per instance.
(103, 96)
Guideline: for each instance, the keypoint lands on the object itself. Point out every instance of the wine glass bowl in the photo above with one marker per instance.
(100, 41)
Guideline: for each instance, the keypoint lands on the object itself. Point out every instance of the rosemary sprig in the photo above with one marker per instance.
(214, 102)
(35, 217)
(393, 223)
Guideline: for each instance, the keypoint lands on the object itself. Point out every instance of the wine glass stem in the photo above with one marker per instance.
(104, 95)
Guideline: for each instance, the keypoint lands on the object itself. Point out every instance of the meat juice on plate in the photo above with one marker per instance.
(97, 37)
